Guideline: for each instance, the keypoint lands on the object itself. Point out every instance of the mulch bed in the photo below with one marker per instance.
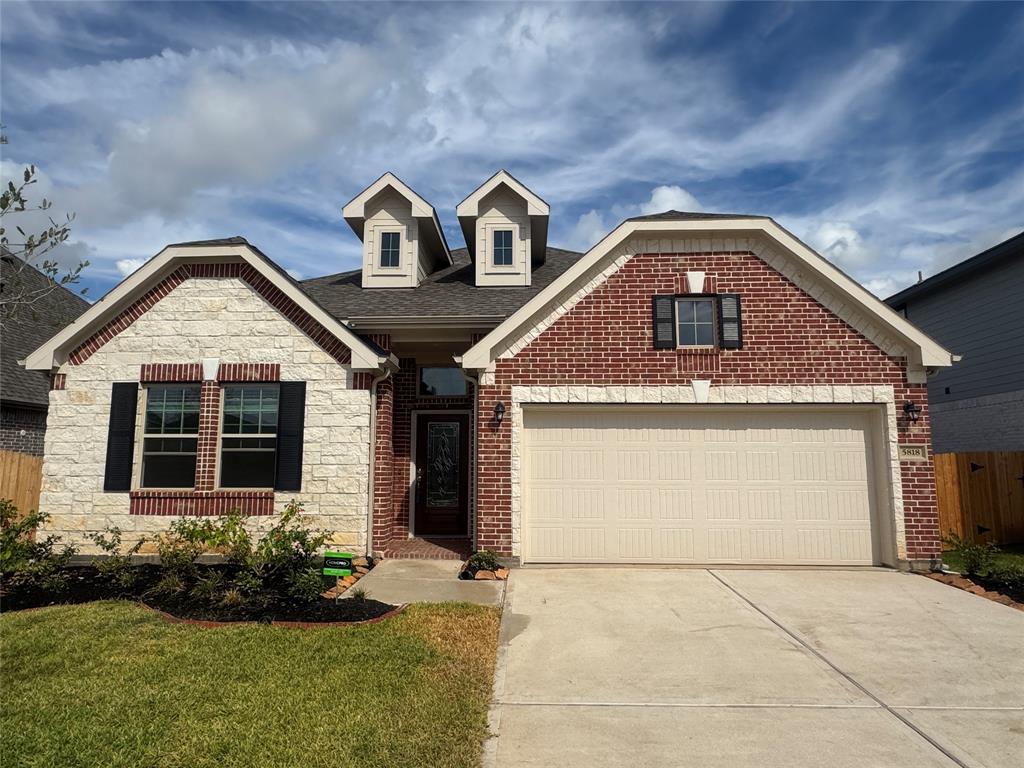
(982, 587)
(85, 585)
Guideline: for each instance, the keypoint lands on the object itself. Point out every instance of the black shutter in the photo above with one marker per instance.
(730, 322)
(121, 437)
(664, 321)
(291, 420)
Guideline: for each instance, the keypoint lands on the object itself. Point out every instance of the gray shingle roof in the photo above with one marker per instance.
(27, 330)
(692, 216)
(450, 292)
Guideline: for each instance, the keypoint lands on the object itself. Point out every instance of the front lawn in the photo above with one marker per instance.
(112, 684)
(1007, 556)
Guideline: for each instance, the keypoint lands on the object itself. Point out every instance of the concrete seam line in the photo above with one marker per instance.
(489, 756)
(906, 721)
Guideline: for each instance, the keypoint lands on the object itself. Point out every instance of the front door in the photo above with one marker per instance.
(442, 475)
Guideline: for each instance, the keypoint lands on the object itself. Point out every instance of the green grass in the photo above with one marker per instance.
(111, 684)
(1008, 555)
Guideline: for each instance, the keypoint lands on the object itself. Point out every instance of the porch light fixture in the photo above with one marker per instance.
(912, 410)
(499, 413)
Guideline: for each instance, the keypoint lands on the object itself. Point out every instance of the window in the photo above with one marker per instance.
(695, 320)
(170, 436)
(390, 249)
(248, 451)
(503, 247)
(442, 382)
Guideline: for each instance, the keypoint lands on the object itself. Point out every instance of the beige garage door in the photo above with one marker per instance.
(697, 486)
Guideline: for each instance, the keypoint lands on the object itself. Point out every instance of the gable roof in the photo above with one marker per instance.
(365, 355)
(536, 208)
(29, 328)
(450, 292)
(843, 295)
(354, 213)
(987, 258)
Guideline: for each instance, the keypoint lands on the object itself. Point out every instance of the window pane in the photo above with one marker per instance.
(169, 462)
(687, 335)
(685, 310)
(503, 247)
(254, 465)
(172, 409)
(390, 246)
(705, 334)
(442, 382)
(703, 310)
(250, 409)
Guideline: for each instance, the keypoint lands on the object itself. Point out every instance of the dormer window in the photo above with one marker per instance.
(503, 247)
(390, 249)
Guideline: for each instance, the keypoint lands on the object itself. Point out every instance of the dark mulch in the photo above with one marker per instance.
(85, 585)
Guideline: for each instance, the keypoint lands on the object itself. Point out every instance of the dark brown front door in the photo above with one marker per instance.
(442, 474)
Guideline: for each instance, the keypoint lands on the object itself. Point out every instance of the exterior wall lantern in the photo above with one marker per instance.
(912, 410)
(499, 413)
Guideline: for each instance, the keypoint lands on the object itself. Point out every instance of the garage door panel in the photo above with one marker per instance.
(682, 486)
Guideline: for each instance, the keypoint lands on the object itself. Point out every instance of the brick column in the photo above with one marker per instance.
(209, 428)
(383, 466)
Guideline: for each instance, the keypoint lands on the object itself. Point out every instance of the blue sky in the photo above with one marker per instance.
(890, 137)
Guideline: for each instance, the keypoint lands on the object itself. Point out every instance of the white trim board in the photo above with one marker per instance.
(887, 463)
(54, 352)
(766, 239)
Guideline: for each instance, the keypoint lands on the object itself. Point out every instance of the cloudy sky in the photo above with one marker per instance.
(890, 137)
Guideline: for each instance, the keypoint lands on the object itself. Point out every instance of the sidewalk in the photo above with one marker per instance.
(426, 581)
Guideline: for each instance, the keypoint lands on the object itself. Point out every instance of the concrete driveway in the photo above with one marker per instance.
(735, 668)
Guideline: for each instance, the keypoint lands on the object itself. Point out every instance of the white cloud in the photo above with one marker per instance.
(127, 266)
(589, 229)
(841, 243)
(670, 198)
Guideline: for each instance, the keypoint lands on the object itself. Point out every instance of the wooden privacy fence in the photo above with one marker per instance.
(21, 476)
(981, 496)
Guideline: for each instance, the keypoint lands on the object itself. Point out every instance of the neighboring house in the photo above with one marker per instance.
(975, 308)
(24, 395)
(695, 388)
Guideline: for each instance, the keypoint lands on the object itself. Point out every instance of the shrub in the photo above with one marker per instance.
(178, 555)
(116, 568)
(208, 587)
(169, 585)
(232, 598)
(306, 585)
(357, 593)
(977, 558)
(484, 560)
(225, 535)
(1010, 577)
(28, 562)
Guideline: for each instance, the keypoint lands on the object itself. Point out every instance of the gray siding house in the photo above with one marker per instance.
(976, 310)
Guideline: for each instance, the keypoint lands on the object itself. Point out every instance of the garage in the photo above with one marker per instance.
(743, 484)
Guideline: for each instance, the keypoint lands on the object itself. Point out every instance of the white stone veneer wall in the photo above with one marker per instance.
(226, 319)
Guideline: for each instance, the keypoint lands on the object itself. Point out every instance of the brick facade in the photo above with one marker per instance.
(22, 430)
(789, 339)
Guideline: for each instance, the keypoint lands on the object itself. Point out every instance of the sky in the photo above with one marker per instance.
(890, 137)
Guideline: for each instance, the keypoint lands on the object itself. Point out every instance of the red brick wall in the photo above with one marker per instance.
(407, 400)
(789, 338)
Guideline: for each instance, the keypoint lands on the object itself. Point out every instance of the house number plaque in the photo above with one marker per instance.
(914, 452)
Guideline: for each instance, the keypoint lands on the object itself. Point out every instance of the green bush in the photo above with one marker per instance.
(306, 585)
(26, 561)
(208, 588)
(1010, 577)
(116, 568)
(484, 560)
(977, 558)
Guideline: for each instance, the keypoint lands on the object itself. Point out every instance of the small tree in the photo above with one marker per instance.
(28, 250)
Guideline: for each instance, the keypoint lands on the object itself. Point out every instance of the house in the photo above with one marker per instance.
(974, 308)
(24, 394)
(694, 388)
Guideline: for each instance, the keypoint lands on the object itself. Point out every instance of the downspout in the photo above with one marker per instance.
(373, 456)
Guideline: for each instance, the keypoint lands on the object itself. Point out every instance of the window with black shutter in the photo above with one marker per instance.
(664, 322)
(291, 421)
(730, 322)
(248, 443)
(117, 474)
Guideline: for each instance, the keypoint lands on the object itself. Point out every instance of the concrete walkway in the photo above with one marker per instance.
(427, 581)
(737, 668)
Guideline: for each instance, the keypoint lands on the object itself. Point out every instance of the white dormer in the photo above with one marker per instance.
(506, 230)
(402, 238)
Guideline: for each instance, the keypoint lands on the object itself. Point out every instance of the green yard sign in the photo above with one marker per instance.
(337, 563)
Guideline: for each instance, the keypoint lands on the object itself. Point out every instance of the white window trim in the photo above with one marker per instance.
(490, 267)
(141, 435)
(221, 435)
(375, 230)
(511, 247)
(379, 241)
(714, 320)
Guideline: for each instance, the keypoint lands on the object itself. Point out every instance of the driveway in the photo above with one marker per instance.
(735, 668)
